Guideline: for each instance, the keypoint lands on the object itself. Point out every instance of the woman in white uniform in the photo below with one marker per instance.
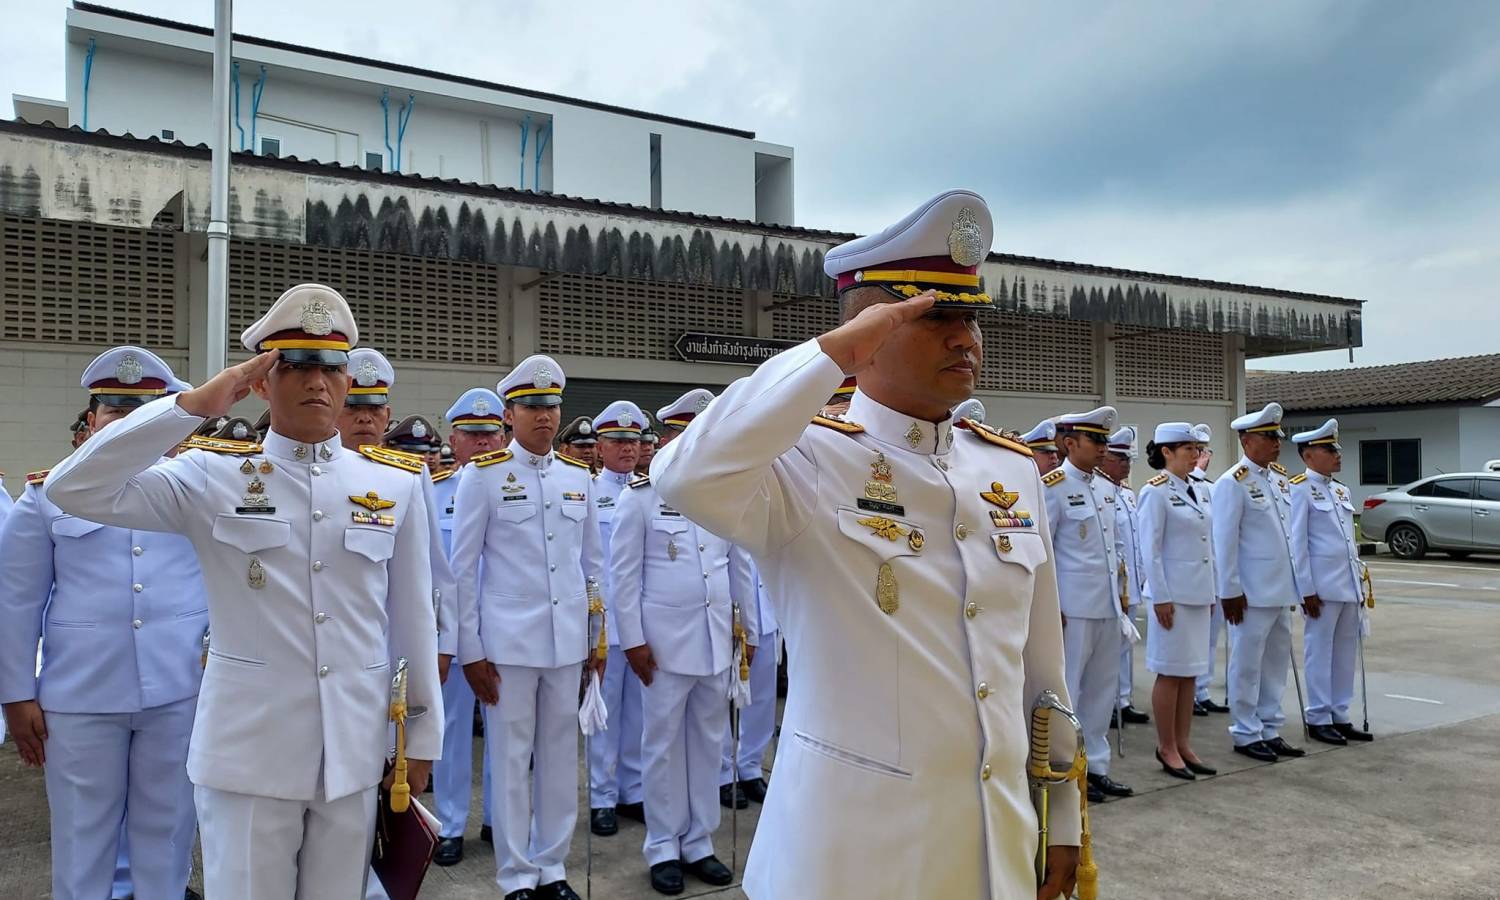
(1176, 536)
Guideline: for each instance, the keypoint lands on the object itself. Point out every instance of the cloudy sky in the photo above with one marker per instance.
(1331, 146)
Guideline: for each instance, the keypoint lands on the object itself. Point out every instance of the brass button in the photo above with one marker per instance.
(984, 690)
(984, 773)
(962, 531)
(972, 609)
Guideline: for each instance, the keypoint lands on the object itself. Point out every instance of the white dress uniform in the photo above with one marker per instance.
(615, 766)
(1127, 525)
(910, 565)
(1251, 508)
(122, 615)
(1204, 487)
(1080, 513)
(1327, 563)
(1042, 437)
(758, 720)
(453, 776)
(314, 593)
(526, 542)
(1177, 547)
(676, 588)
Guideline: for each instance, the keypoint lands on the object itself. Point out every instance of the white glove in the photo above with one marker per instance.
(593, 715)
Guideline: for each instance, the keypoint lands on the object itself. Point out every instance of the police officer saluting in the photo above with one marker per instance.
(124, 615)
(1327, 563)
(1257, 584)
(526, 545)
(318, 553)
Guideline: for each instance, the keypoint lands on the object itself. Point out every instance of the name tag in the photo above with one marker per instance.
(878, 506)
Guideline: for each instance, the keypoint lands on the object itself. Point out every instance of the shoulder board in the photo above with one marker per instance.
(1278, 468)
(37, 477)
(643, 481)
(394, 458)
(399, 454)
(490, 458)
(573, 462)
(838, 424)
(443, 476)
(1159, 480)
(220, 445)
(1241, 472)
(1298, 479)
(1056, 476)
(991, 436)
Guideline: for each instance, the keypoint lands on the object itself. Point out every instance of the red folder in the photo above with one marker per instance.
(404, 844)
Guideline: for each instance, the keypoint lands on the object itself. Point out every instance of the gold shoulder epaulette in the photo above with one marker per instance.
(1278, 468)
(561, 457)
(443, 476)
(1298, 479)
(37, 477)
(991, 436)
(1241, 472)
(408, 462)
(220, 445)
(490, 458)
(643, 481)
(417, 458)
(1159, 480)
(1055, 476)
(838, 424)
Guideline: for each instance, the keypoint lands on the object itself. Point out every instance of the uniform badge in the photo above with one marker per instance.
(372, 501)
(128, 370)
(879, 486)
(887, 594)
(883, 527)
(914, 436)
(300, 452)
(255, 504)
(247, 467)
(256, 577)
(1015, 518)
(672, 549)
(999, 496)
(366, 375)
(481, 407)
(576, 496)
(916, 541)
(511, 477)
(370, 518)
(265, 467)
(324, 453)
(1083, 530)
(966, 239)
(256, 486)
(1002, 543)
(316, 317)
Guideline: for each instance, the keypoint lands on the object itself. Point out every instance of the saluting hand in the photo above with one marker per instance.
(28, 725)
(853, 344)
(217, 395)
(484, 679)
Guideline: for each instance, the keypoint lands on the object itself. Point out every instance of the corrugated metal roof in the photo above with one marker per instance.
(1465, 379)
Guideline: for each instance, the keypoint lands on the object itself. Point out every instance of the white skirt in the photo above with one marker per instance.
(1183, 651)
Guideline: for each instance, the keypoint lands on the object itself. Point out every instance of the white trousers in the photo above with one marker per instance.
(100, 764)
(536, 720)
(615, 754)
(453, 775)
(1260, 655)
(1215, 628)
(1091, 652)
(1127, 662)
(758, 721)
(682, 746)
(264, 848)
(1330, 644)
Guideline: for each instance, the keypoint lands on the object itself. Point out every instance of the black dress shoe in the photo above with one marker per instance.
(191, 894)
(710, 871)
(522, 894)
(557, 890)
(1134, 716)
(1096, 796)
(1213, 707)
(666, 877)
(755, 789)
(450, 852)
(487, 834)
(635, 811)
(1182, 773)
(1351, 733)
(1110, 786)
(1198, 768)
(1282, 748)
(1327, 734)
(732, 797)
(603, 822)
(1199, 709)
(1257, 751)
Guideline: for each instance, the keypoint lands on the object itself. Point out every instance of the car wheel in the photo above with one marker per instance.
(1458, 554)
(1407, 541)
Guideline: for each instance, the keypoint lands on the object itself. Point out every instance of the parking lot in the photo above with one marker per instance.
(1408, 816)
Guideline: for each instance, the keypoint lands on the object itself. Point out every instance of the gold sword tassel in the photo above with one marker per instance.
(400, 790)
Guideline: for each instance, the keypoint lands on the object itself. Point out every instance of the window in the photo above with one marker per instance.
(1489, 489)
(1445, 489)
(1390, 462)
(270, 146)
(168, 134)
(656, 171)
(375, 162)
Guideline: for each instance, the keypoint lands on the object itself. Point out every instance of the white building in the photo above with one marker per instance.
(102, 241)
(1397, 423)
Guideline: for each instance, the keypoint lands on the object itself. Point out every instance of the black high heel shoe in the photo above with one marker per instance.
(1199, 768)
(1184, 774)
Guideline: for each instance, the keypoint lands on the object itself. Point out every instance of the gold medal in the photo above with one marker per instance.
(887, 594)
(257, 574)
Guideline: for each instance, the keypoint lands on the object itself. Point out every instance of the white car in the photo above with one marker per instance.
(1458, 514)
